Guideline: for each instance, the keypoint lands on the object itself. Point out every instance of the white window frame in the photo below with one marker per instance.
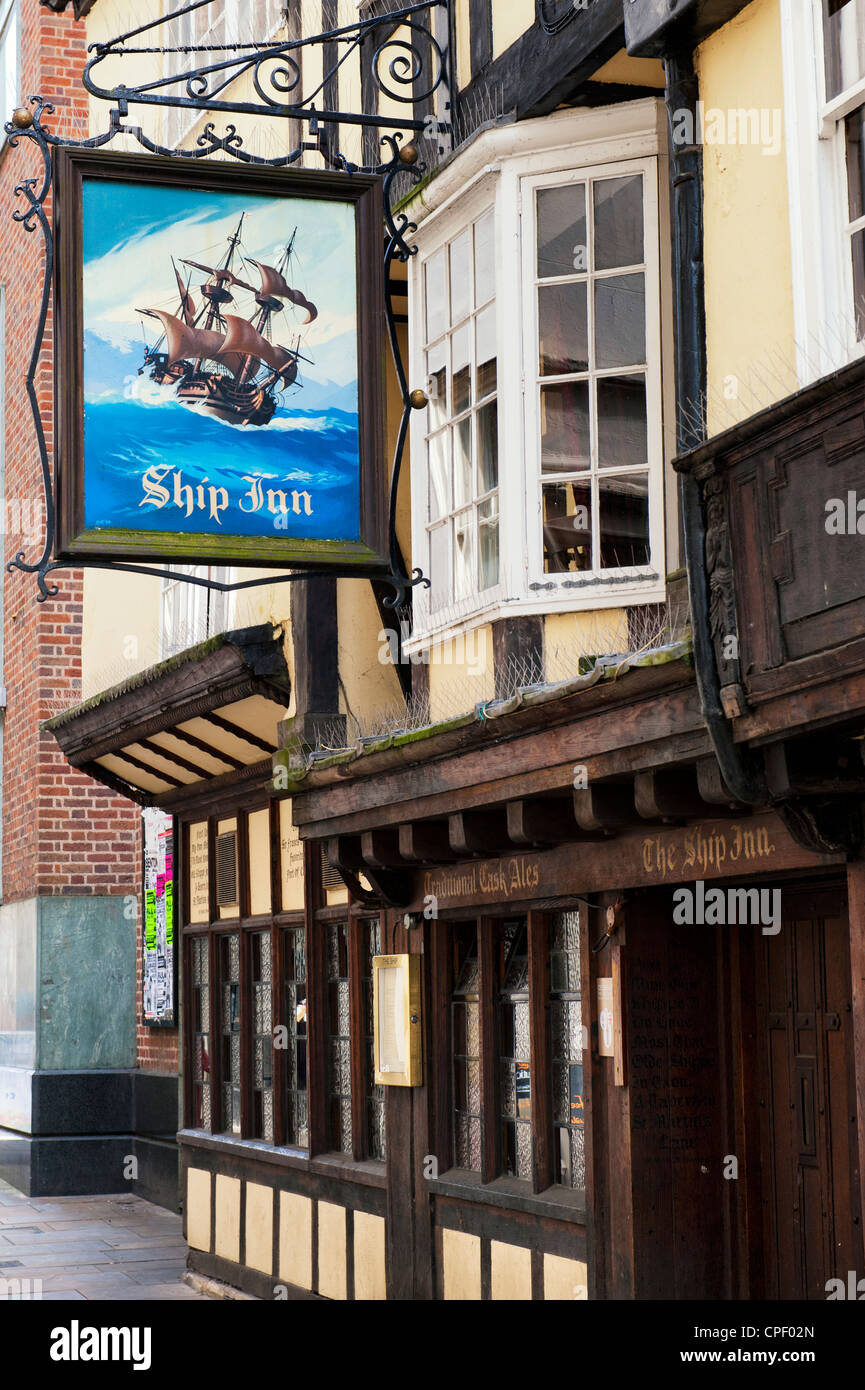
(603, 585)
(10, 30)
(198, 613)
(823, 291)
(508, 162)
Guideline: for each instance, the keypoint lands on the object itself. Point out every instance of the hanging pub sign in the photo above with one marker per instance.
(158, 965)
(218, 363)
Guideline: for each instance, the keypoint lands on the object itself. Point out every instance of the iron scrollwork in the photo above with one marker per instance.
(399, 167)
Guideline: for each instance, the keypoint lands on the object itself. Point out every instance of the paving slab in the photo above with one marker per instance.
(111, 1248)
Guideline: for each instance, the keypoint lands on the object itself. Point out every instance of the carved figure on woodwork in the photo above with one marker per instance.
(719, 571)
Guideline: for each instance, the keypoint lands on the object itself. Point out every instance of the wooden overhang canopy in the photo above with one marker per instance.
(599, 780)
(202, 719)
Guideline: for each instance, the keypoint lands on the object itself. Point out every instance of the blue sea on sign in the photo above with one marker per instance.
(220, 363)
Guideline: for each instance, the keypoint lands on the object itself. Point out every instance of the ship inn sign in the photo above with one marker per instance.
(220, 321)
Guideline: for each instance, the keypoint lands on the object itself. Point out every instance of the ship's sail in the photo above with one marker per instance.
(187, 303)
(225, 277)
(242, 339)
(182, 341)
(233, 349)
(274, 285)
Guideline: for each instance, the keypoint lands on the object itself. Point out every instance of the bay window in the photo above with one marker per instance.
(462, 443)
(844, 69)
(535, 326)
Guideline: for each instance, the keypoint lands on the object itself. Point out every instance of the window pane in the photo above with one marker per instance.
(567, 1048)
(461, 378)
(294, 1019)
(462, 447)
(200, 966)
(437, 385)
(624, 521)
(844, 44)
(618, 222)
(339, 1037)
(858, 249)
(466, 1051)
(855, 130)
(485, 352)
(620, 321)
(439, 567)
(229, 960)
(488, 542)
(567, 526)
(436, 296)
(465, 569)
(622, 426)
(439, 475)
(563, 329)
(485, 258)
(262, 1038)
(562, 236)
(488, 447)
(565, 437)
(461, 275)
(375, 1119)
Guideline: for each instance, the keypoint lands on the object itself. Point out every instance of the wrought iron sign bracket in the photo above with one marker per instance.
(271, 66)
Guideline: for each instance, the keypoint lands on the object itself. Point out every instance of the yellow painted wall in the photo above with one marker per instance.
(464, 44)
(749, 294)
(568, 636)
(461, 1259)
(120, 628)
(198, 1208)
(639, 72)
(511, 18)
(461, 673)
(295, 1239)
(227, 1236)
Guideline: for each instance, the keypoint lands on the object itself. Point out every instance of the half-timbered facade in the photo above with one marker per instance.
(605, 776)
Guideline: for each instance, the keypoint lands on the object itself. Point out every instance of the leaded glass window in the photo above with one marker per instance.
(375, 1119)
(200, 966)
(229, 960)
(296, 1121)
(514, 1054)
(567, 1049)
(339, 1037)
(465, 1022)
(262, 1037)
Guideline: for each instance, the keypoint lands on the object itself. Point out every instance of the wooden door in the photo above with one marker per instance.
(807, 1098)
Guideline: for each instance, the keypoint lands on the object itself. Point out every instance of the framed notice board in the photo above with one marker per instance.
(159, 977)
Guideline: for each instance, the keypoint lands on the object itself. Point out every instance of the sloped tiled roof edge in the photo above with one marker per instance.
(260, 648)
(302, 772)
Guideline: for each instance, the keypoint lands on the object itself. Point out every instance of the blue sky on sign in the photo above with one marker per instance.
(131, 232)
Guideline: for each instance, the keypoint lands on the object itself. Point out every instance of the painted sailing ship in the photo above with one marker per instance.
(223, 363)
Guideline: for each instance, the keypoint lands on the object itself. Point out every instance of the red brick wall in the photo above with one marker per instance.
(62, 832)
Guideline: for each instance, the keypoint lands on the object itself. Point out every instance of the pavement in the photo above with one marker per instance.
(85, 1248)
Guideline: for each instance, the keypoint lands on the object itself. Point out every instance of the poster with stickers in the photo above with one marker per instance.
(159, 982)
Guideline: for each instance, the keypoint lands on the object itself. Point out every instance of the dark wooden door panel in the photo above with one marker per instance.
(807, 1099)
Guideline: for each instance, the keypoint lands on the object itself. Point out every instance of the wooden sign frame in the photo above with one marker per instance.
(76, 540)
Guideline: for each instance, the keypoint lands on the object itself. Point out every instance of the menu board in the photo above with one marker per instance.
(159, 982)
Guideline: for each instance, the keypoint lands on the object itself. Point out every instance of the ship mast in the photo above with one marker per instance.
(268, 306)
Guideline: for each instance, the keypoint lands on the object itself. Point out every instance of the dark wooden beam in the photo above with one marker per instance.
(198, 743)
(518, 644)
(316, 649)
(477, 832)
(380, 849)
(604, 807)
(237, 731)
(668, 794)
(425, 842)
(541, 822)
(148, 768)
(711, 785)
(175, 758)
